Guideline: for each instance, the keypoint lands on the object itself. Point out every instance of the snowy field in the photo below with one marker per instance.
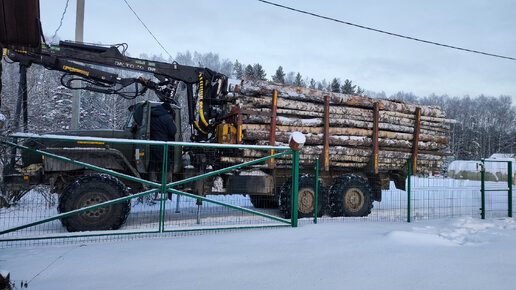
(452, 253)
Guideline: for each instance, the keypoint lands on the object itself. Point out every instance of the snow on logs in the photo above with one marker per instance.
(349, 121)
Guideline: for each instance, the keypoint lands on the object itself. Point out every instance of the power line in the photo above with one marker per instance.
(387, 32)
(148, 29)
(61, 21)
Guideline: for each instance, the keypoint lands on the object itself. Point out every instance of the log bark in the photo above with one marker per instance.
(421, 169)
(346, 132)
(359, 115)
(259, 87)
(317, 139)
(341, 122)
(248, 102)
(345, 156)
(351, 122)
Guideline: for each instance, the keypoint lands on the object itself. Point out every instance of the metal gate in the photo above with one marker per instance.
(495, 186)
(21, 223)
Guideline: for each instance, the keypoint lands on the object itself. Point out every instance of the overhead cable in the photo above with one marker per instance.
(61, 21)
(387, 32)
(141, 21)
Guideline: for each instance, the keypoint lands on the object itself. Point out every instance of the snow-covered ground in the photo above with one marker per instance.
(456, 253)
(447, 246)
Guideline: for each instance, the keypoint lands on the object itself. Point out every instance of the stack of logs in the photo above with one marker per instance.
(342, 130)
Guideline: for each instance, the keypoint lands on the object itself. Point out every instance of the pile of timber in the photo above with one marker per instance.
(342, 130)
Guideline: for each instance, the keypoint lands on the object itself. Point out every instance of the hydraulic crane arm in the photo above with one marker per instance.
(73, 58)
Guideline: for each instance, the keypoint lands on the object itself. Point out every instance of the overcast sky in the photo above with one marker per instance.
(254, 32)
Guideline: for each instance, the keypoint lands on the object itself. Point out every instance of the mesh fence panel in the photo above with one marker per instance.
(156, 213)
(431, 198)
(497, 189)
(222, 206)
(440, 198)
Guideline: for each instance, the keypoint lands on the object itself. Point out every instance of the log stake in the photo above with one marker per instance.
(415, 140)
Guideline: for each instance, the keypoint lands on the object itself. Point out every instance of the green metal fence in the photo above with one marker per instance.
(164, 207)
(432, 197)
(496, 187)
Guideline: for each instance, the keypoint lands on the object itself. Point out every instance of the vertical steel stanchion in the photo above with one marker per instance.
(408, 190)
(295, 188)
(164, 169)
(316, 188)
(292, 191)
(509, 184)
(483, 190)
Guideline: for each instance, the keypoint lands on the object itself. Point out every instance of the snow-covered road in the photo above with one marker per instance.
(456, 253)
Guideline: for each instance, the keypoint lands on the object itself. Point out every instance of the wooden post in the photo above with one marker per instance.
(373, 163)
(326, 149)
(274, 107)
(415, 140)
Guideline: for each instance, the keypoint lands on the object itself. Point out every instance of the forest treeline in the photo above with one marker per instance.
(485, 124)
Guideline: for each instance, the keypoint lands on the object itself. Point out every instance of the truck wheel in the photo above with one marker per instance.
(261, 201)
(350, 195)
(306, 197)
(89, 190)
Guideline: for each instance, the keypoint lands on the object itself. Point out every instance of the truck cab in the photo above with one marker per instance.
(131, 159)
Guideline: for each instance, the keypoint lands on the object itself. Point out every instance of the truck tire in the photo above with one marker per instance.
(350, 195)
(89, 190)
(306, 197)
(263, 201)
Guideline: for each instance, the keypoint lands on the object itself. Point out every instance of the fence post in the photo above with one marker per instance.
(164, 169)
(483, 190)
(292, 191)
(409, 164)
(509, 184)
(316, 188)
(295, 187)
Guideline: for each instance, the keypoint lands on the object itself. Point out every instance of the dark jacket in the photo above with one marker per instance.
(162, 127)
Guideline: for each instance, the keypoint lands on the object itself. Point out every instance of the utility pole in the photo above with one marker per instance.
(76, 97)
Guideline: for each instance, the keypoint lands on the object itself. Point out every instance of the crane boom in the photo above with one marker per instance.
(74, 59)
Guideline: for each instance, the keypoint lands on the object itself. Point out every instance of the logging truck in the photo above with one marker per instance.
(363, 143)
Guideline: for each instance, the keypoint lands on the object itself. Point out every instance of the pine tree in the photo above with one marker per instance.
(335, 86)
(259, 73)
(289, 79)
(322, 85)
(359, 91)
(312, 84)
(298, 82)
(182, 58)
(348, 87)
(279, 77)
(249, 72)
(238, 70)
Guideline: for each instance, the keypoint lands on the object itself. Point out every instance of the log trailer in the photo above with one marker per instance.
(213, 116)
